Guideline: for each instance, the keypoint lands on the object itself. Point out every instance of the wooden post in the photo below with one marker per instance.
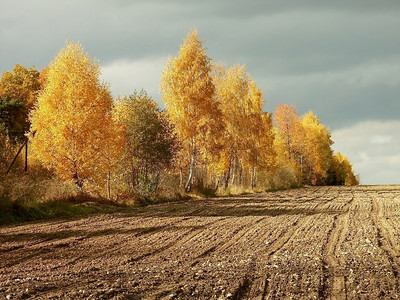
(16, 156)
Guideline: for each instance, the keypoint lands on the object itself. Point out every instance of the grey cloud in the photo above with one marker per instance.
(374, 149)
(135, 29)
(246, 9)
(338, 109)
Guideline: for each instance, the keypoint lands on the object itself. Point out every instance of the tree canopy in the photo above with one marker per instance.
(151, 142)
(188, 94)
(71, 122)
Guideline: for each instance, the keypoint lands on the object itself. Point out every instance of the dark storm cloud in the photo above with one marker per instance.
(233, 30)
(277, 40)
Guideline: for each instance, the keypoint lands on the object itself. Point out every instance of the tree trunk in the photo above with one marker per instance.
(26, 155)
(189, 182)
(254, 178)
(228, 174)
(109, 185)
(78, 182)
(234, 170)
(180, 176)
(241, 176)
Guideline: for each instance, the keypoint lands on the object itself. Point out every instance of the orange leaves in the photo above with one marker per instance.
(247, 131)
(343, 171)
(289, 138)
(22, 84)
(290, 130)
(217, 113)
(188, 93)
(317, 149)
(75, 135)
(305, 144)
(187, 87)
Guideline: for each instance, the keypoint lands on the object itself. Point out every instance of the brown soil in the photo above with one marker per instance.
(322, 242)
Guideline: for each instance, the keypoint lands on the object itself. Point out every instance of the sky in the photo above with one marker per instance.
(340, 59)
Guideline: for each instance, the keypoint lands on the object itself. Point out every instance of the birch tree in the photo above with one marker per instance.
(188, 93)
(72, 130)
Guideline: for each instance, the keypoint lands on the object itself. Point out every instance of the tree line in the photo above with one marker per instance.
(213, 133)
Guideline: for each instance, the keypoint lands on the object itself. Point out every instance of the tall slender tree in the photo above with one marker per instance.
(248, 132)
(317, 150)
(188, 93)
(290, 131)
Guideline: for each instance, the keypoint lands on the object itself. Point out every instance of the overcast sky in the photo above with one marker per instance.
(340, 59)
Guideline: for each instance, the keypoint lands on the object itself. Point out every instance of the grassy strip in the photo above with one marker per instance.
(26, 209)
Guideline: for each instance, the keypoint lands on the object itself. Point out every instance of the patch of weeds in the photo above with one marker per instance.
(26, 209)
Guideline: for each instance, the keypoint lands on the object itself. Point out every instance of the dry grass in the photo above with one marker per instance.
(38, 196)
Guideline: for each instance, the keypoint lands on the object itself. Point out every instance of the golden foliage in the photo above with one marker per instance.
(188, 94)
(22, 84)
(290, 130)
(317, 150)
(343, 170)
(304, 145)
(73, 132)
(248, 136)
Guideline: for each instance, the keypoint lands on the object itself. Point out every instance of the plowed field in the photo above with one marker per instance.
(310, 243)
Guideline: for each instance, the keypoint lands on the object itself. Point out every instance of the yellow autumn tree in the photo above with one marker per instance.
(22, 84)
(72, 130)
(247, 137)
(305, 156)
(259, 136)
(188, 93)
(343, 171)
(290, 131)
(316, 151)
(232, 90)
(288, 144)
(261, 153)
